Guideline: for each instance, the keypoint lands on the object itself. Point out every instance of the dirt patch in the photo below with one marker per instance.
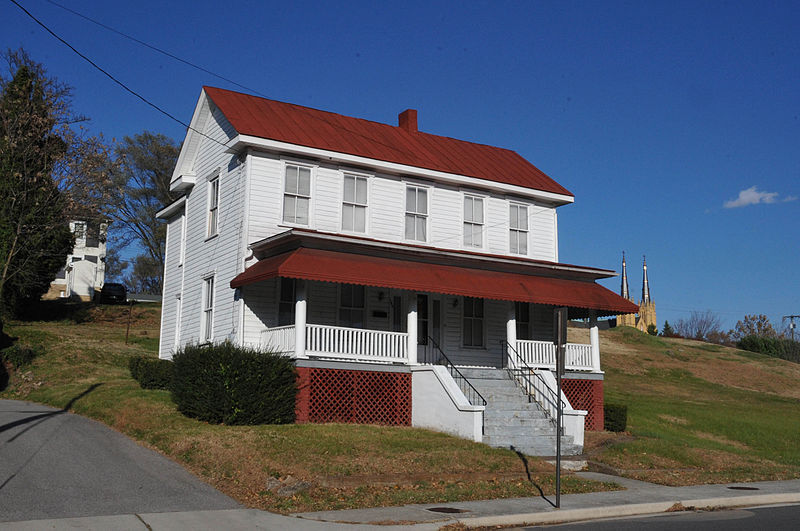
(674, 420)
(720, 439)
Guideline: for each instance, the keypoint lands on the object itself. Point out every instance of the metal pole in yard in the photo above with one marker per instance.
(561, 342)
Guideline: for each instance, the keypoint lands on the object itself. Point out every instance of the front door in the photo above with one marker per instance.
(429, 326)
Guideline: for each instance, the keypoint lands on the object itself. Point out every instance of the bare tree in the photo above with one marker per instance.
(700, 325)
(753, 325)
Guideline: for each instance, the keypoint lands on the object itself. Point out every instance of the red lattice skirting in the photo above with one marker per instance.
(587, 395)
(358, 397)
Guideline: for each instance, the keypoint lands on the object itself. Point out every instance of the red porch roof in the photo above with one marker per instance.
(303, 126)
(347, 268)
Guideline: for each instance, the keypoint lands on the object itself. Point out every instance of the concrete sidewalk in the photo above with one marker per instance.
(637, 498)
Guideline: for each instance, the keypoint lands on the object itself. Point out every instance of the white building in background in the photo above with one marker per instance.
(84, 273)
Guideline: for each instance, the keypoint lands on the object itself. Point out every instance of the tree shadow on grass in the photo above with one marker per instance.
(528, 473)
(41, 417)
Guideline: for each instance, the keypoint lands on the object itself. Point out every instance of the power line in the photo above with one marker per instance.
(112, 78)
(155, 48)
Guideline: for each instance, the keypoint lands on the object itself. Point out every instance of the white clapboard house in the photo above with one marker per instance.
(411, 276)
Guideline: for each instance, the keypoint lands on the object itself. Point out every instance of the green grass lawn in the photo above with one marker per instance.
(85, 367)
(700, 413)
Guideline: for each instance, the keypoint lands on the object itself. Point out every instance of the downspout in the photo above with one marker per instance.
(244, 237)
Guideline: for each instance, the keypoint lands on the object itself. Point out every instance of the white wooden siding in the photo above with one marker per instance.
(172, 287)
(220, 255)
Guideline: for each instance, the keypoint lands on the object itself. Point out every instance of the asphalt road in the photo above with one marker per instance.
(55, 464)
(777, 518)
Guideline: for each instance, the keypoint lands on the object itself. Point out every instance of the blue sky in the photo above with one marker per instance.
(656, 115)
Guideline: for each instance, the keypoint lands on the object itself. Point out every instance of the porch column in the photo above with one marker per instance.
(412, 329)
(594, 339)
(511, 331)
(300, 311)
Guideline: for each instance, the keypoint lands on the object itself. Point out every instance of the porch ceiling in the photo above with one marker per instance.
(348, 268)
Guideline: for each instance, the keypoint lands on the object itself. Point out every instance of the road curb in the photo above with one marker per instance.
(574, 515)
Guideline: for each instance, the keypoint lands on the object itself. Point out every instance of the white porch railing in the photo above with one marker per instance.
(354, 344)
(542, 355)
(279, 339)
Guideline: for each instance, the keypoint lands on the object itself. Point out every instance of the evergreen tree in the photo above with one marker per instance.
(34, 232)
(667, 330)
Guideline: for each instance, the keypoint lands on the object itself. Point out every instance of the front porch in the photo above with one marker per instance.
(359, 345)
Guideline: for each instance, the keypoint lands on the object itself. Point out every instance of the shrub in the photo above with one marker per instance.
(151, 373)
(777, 347)
(20, 356)
(225, 383)
(615, 417)
(652, 330)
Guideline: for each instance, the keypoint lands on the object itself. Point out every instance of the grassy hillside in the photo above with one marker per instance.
(85, 368)
(698, 413)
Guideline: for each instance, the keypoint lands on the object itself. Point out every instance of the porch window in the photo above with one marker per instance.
(297, 194)
(351, 306)
(522, 311)
(473, 221)
(416, 213)
(207, 323)
(473, 322)
(518, 229)
(286, 301)
(213, 206)
(354, 204)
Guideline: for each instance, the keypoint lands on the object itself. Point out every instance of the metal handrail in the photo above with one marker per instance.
(472, 394)
(522, 371)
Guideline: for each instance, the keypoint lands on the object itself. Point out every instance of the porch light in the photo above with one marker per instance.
(455, 302)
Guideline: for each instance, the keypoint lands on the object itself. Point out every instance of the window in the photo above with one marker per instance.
(207, 324)
(182, 254)
(351, 306)
(177, 342)
(473, 322)
(296, 194)
(416, 213)
(518, 229)
(80, 232)
(473, 221)
(522, 310)
(213, 206)
(286, 301)
(354, 204)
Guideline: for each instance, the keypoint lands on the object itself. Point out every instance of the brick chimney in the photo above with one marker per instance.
(408, 120)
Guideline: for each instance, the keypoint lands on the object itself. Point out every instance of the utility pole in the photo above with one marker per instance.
(791, 322)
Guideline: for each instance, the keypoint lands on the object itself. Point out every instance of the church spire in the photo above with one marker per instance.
(623, 290)
(645, 283)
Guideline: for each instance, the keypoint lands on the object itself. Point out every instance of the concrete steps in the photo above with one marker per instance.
(510, 420)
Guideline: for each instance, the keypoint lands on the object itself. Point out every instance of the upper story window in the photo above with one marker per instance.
(213, 206)
(296, 194)
(518, 229)
(182, 253)
(354, 204)
(416, 213)
(79, 230)
(473, 221)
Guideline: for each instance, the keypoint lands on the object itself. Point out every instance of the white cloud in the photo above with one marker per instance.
(753, 196)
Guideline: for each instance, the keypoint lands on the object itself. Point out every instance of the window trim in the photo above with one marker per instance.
(344, 202)
(311, 172)
(526, 231)
(207, 311)
(464, 222)
(212, 207)
(483, 319)
(426, 216)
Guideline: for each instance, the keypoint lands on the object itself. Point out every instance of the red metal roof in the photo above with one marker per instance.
(285, 122)
(347, 268)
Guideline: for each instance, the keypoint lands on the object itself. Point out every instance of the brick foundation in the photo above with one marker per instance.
(586, 395)
(352, 396)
